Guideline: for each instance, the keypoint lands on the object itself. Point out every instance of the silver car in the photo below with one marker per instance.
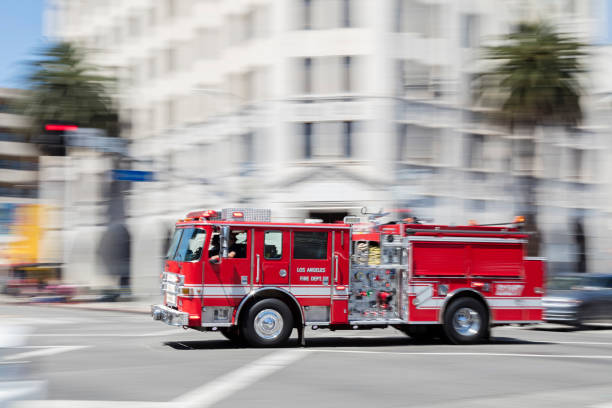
(578, 300)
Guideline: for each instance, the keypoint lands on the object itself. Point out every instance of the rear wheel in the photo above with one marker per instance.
(268, 323)
(466, 321)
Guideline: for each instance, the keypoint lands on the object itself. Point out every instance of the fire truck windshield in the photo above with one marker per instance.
(176, 238)
(187, 245)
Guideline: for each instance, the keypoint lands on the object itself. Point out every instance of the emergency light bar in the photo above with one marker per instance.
(202, 214)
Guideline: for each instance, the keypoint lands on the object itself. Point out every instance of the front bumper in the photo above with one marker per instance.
(169, 316)
(560, 315)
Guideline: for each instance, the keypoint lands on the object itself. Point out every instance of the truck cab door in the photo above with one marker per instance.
(235, 270)
(272, 257)
(311, 272)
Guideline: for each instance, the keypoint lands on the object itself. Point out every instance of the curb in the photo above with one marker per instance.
(83, 306)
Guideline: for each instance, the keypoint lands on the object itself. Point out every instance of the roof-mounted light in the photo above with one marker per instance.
(205, 214)
(237, 214)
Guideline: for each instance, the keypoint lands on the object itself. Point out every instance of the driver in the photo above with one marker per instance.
(233, 250)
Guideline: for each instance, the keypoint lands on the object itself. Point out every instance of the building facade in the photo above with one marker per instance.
(18, 179)
(316, 108)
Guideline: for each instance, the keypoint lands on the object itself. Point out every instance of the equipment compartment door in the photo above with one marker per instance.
(272, 257)
(311, 266)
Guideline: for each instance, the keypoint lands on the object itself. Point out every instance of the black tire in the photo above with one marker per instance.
(422, 333)
(466, 321)
(260, 326)
(232, 334)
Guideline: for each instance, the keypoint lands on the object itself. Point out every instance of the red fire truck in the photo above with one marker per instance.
(254, 280)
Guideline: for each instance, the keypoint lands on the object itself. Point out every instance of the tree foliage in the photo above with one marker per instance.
(534, 80)
(65, 89)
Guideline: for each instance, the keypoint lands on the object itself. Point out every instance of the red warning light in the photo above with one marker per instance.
(60, 128)
(238, 214)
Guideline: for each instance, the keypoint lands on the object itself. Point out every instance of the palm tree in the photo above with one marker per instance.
(65, 89)
(533, 83)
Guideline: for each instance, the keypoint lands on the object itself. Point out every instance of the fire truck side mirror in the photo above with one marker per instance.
(224, 239)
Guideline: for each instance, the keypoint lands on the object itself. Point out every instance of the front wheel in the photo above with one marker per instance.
(268, 323)
(231, 333)
(466, 321)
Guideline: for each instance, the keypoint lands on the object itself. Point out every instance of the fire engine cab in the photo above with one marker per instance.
(254, 280)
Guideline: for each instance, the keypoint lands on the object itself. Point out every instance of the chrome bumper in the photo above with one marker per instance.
(565, 315)
(169, 316)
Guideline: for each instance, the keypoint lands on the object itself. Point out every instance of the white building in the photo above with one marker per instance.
(18, 170)
(316, 108)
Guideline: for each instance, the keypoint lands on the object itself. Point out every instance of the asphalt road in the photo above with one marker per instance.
(110, 359)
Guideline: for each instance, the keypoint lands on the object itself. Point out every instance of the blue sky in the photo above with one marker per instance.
(20, 35)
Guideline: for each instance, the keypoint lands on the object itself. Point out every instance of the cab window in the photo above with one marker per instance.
(176, 238)
(190, 246)
(309, 245)
(273, 245)
(238, 244)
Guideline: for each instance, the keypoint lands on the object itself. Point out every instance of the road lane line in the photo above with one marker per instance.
(90, 404)
(471, 354)
(228, 384)
(153, 334)
(596, 343)
(47, 351)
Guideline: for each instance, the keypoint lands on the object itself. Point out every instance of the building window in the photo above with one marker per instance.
(417, 79)
(307, 132)
(575, 161)
(325, 75)
(307, 14)
(307, 80)
(309, 245)
(348, 143)
(476, 205)
(417, 17)
(417, 144)
(346, 13)
(328, 139)
(470, 31)
(248, 154)
(474, 158)
(346, 73)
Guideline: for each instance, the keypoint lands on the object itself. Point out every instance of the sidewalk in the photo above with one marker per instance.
(139, 305)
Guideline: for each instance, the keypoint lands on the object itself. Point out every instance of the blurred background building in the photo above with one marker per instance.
(315, 108)
(18, 186)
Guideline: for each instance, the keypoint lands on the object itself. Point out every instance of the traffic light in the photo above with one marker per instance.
(52, 139)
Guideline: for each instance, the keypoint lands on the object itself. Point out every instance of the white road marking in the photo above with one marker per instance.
(228, 384)
(91, 404)
(464, 354)
(44, 351)
(41, 321)
(153, 334)
(597, 343)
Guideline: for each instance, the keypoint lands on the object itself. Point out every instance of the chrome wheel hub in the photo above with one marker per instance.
(268, 324)
(466, 321)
